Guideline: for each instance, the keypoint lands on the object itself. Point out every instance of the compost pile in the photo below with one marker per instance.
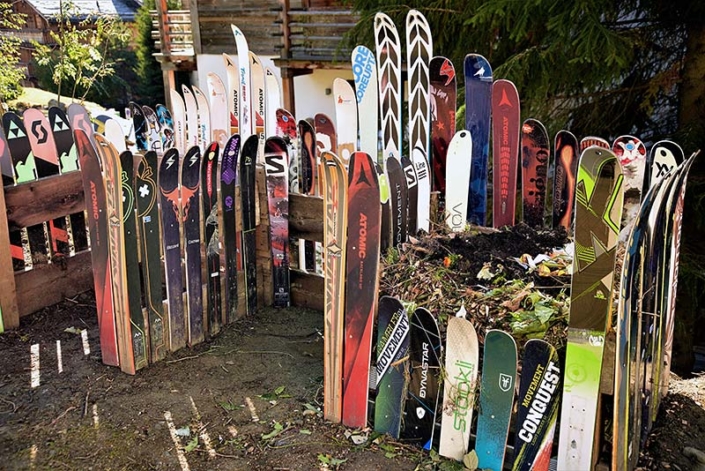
(515, 279)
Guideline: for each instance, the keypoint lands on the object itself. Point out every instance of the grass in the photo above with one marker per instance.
(36, 96)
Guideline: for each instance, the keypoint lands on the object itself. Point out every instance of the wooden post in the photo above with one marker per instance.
(8, 292)
(195, 27)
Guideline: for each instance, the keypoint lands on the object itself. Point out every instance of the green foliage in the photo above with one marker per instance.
(599, 67)
(10, 74)
(85, 55)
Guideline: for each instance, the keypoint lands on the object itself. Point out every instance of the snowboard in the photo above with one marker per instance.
(46, 158)
(443, 90)
(218, 104)
(153, 130)
(142, 132)
(388, 53)
(393, 330)
(424, 379)
(248, 161)
(537, 410)
(506, 111)
(277, 179)
(233, 93)
(364, 68)
(191, 210)
(457, 175)
(25, 170)
(334, 185)
(166, 127)
(399, 197)
(209, 199)
(478, 105)
(361, 285)
(534, 171)
(566, 170)
(98, 229)
(80, 119)
(345, 118)
(498, 379)
(598, 211)
(147, 204)
(461, 364)
(112, 175)
(228, 177)
(171, 220)
(138, 323)
(17, 248)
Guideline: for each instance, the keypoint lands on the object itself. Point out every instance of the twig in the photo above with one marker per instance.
(53, 422)
(192, 357)
(263, 352)
(14, 406)
(85, 405)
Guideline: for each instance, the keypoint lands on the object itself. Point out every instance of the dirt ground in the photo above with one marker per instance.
(248, 400)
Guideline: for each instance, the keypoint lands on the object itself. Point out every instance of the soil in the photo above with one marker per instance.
(250, 399)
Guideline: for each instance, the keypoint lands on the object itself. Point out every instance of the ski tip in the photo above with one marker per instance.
(462, 312)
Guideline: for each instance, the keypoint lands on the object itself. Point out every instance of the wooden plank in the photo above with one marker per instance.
(306, 217)
(43, 200)
(608, 358)
(306, 290)
(48, 284)
(8, 300)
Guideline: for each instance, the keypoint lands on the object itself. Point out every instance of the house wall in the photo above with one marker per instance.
(310, 90)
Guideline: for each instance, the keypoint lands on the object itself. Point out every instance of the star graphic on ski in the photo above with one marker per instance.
(144, 191)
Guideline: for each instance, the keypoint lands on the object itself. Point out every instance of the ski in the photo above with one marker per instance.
(205, 128)
(277, 178)
(248, 160)
(46, 158)
(218, 104)
(538, 401)
(233, 93)
(243, 60)
(345, 118)
(25, 171)
(593, 141)
(361, 285)
(478, 105)
(498, 381)
(566, 157)
(96, 209)
(461, 362)
(534, 171)
(209, 199)
(112, 175)
(443, 90)
(385, 197)
(410, 199)
(138, 323)
(274, 100)
(228, 177)
(424, 379)
(457, 175)
(114, 133)
(178, 113)
(334, 185)
(309, 186)
(285, 127)
(171, 220)
(193, 130)
(393, 328)
(139, 122)
(506, 111)
(80, 119)
(598, 211)
(662, 159)
(388, 53)
(191, 210)
(364, 69)
(145, 190)
(631, 153)
(399, 198)
(259, 103)
(423, 183)
(19, 240)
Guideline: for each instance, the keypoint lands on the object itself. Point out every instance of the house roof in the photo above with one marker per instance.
(125, 9)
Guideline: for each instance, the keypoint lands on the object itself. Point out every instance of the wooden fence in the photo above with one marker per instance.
(46, 284)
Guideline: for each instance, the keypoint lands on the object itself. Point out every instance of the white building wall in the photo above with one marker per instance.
(313, 92)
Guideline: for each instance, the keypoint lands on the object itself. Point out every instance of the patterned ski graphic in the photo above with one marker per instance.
(443, 89)
(457, 174)
(364, 67)
(388, 51)
(506, 110)
(565, 174)
(277, 178)
(248, 160)
(228, 177)
(534, 171)
(209, 198)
